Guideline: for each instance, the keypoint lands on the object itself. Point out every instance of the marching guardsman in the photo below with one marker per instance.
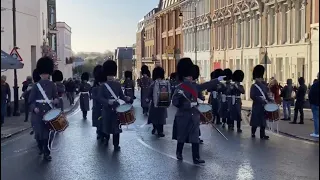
(57, 78)
(259, 96)
(236, 103)
(109, 94)
(128, 85)
(173, 81)
(84, 90)
(225, 97)
(157, 115)
(42, 98)
(187, 118)
(97, 106)
(145, 83)
(215, 96)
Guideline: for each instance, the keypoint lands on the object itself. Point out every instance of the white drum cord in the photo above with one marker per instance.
(51, 140)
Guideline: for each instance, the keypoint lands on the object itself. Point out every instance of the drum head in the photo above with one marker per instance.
(271, 107)
(204, 107)
(51, 114)
(124, 108)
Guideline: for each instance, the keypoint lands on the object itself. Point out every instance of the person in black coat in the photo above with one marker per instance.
(300, 100)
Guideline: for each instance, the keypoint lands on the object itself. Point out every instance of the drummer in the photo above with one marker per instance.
(259, 98)
(157, 115)
(129, 85)
(84, 89)
(57, 78)
(109, 94)
(39, 104)
(236, 104)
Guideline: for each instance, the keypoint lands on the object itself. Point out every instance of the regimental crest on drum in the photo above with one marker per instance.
(162, 93)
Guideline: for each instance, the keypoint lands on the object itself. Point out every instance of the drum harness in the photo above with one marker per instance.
(46, 99)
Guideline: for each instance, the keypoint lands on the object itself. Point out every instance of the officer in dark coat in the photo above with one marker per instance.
(187, 118)
(225, 102)
(84, 94)
(110, 122)
(57, 78)
(215, 96)
(128, 85)
(97, 106)
(157, 115)
(145, 83)
(39, 106)
(259, 96)
(236, 103)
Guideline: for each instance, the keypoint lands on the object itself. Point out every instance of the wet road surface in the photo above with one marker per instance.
(145, 157)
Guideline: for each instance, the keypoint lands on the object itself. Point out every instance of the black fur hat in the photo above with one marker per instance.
(85, 76)
(173, 75)
(110, 68)
(218, 73)
(195, 72)
(128, 74)
(184, 68)
(238, 76)
(45, 65)
(212, 74)
(36, 76)
(97, 73)
(258, 72)
(228, 73)
(158, 72)
(57, 76)
(144, 69)
(147, 72)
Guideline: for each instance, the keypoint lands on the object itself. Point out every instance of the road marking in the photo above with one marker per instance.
(143, 124)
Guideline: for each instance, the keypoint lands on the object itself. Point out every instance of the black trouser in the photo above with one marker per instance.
(216, 119)
(158, 128)
(298, 108)
(70, 97)
(43, 146)
(84, 114)
(115, 139)
(195, 150)
(239, 124)
(26, 110)
(224, 120)
(262, 130)
(145, 110)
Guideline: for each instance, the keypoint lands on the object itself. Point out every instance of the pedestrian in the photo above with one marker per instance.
(145, 83)
(287, 96)
(109, 93)
(84, 90)
(128, 85)
(70, 90)
(173, 82)
(41, 100)
(236, 90)
(314, 102)
(5, 97)
(215, 96)
(225, 102)
(97, 105)
(26, 88)
(300, 100)
(57, 78)
(259, 96)
(275, 89)
(157, 115)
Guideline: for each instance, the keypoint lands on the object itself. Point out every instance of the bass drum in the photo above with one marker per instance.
(272, 112)
(125, 114)
(206, 116)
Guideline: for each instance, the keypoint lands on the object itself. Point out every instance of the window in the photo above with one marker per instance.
(216, 4)
(256, 30)
(272, 29)
(222, 34)
(238, 34)
(230, 36)
(303, 22)
(285, 13)
(247, 31)
(216, 37)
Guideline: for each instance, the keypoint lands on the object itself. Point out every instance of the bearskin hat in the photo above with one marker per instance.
(228, 73)
(184, 68)
(238, 76)
(36, 76)
(158, 72)
(301, 80)
(173, 75)
(144, 69)
(218, 73)
(110, 68)
(57, 76)
(45, 65)
(97, 73)
(195, 72)
(85, 76)
(128, 74)
(147, 72)
(258, 72)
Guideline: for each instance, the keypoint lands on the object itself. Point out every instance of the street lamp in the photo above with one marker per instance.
(195, 30)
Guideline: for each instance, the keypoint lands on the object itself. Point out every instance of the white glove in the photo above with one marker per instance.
(220, 78)
(180, 92)
(236, 85)
(193, 104)
(111, 101)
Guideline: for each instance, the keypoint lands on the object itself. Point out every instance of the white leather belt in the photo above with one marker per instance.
(214, 94)
(84, 92)
(42, 101)
(229, 96)
(128, 88)
(223, 97)
(234, 99)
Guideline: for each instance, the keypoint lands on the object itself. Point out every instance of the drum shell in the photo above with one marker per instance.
(127, 117)
(58, 123)
(206, 115)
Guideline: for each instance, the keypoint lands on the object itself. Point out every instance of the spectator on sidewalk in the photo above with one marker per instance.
(275, 89)
(26, 87)
(5, 97)
(70, 90)
(314, 102)
(287, 97)
(300, 100)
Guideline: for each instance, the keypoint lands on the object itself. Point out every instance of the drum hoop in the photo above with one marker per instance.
(204, 104)
(51, 118)
(130, 105)
(269, 105)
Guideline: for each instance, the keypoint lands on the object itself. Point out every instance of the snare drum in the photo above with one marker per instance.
(206, 113)
(125, 114)
(272, 111)
(56, 120)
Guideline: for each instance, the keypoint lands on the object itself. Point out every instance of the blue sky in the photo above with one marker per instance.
(100, 25)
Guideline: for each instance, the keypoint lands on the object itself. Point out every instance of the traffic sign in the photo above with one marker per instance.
(14, 53)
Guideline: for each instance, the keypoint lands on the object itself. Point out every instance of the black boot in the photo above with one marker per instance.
(253, 131)
(40, 147)
(179, 151)
(154, 130)
(46, 151)
(116, 141)
(218, 120)
(107, 138)
(196, 154)
(239, 126)
(263, 133)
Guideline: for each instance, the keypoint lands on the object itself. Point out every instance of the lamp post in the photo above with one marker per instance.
(195, 30)
(16, 111)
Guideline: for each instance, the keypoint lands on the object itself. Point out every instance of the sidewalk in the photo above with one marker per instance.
(15, 124)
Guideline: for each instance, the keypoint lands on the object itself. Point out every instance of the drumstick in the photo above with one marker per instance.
(206, 118)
